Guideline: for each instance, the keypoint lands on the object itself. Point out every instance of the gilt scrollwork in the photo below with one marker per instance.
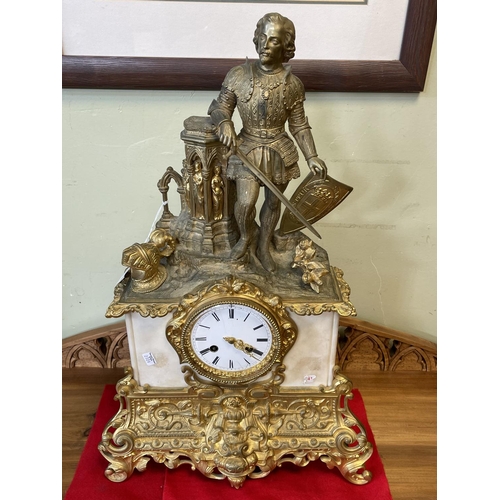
(236, 433)
(315, 309)
(345, 308)
(118, 308)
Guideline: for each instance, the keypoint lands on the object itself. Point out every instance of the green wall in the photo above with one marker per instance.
(116, 144)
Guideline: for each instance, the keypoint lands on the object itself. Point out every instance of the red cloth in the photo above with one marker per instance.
(289, 482)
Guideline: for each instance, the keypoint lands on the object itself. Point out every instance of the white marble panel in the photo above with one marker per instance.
(310, 361)
(147, 335)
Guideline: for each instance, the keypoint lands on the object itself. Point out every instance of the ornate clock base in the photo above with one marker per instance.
(235, 432)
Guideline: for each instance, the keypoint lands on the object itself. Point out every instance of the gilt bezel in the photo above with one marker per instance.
(229, 376)
(231, 290)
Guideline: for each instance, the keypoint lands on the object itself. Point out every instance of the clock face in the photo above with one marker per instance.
(231, 342)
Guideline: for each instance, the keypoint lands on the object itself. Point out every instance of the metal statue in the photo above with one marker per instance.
(226, 300)
(143, 259)
(267, 96)
(217, 185)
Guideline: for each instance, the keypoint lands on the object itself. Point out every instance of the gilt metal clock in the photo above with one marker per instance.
(232, 325)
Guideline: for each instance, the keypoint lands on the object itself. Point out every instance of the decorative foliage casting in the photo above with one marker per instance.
(118, 308)
(236, 433)
(313, 271)
(346, 308)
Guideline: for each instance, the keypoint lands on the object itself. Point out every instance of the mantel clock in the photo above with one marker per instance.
(232, 322)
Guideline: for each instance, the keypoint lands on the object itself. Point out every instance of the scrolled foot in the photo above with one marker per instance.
(117, 476)
(351, 467)
(359, 477)
(121, 468)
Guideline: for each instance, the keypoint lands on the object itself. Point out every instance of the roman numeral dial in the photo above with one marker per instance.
(232, 337)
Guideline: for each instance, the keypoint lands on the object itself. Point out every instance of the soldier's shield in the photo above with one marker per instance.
(314, 199)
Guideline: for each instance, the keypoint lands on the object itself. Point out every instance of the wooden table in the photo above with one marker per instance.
(401, 408)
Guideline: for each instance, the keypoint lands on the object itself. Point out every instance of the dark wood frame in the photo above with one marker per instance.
(407, 74)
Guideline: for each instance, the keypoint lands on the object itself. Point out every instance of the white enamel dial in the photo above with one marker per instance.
(231, 337)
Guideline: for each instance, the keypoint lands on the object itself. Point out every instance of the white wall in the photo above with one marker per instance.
(117, 144)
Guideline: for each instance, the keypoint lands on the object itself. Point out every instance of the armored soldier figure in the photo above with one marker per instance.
(267, 96)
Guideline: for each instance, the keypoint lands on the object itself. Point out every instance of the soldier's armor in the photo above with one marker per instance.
(265, 101)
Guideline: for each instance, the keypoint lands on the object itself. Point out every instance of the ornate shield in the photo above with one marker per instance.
(314, 199)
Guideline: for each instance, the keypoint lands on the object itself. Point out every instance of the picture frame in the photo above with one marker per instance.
(407, 74)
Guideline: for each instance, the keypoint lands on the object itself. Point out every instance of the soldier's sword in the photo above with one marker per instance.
(274, 190)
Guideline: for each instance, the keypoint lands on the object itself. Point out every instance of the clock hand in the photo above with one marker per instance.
(240, 345)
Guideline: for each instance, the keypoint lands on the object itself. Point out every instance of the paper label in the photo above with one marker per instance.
(149, 358)
(308, 379)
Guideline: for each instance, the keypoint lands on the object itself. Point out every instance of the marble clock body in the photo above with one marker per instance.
(309, 362)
